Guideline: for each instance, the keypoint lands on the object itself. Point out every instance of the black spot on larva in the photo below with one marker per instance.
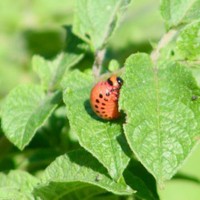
(109, 82)
(97, 100)
(107, 94)
(100, 96)
(97, 111)
(105, 99)
(105, 115)
(119, 80)
(96, 106)
(103, 112)
(102, 108)
(103, 104)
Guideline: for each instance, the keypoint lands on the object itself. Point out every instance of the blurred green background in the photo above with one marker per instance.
(36, 27)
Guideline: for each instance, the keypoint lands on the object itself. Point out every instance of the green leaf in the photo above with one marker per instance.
(162, 117)
(68, 190)
(195, 68)
(188, 42)
(75, 172)
(51, 72)
(176, 12)
(103, 139)
(17, 185)
(25, 109)
(95, 21)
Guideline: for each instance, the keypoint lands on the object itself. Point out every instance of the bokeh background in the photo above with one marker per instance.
(36, 27)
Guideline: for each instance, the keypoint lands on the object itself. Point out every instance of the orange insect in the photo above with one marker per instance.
(104, 98)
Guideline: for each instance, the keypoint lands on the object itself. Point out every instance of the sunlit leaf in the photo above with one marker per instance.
(25, 109)
(176, 12)
(104, 139)
(188, 42)
(96, 20)
(17, 185)
(78, 171)
(162, 121)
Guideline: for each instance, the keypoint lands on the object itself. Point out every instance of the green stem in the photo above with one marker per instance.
(162, 43)
(97, 66)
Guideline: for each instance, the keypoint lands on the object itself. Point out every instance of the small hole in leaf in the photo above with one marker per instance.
(194, 97)
(87, 35)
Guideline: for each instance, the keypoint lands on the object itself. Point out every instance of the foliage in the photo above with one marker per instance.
(55, 147)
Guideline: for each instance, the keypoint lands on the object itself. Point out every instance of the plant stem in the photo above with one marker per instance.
(162, 43)
(97, 66)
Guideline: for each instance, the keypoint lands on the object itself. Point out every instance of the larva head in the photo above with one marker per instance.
(115, 81)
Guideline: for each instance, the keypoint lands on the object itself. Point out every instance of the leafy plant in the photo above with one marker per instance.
(53, 125)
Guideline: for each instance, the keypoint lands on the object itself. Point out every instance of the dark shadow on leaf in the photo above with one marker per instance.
(120, 138)
(87, 36)
(73, 44)
(139, 179)
(121, 54)
(39, 159)
(90, 112)
(47, 43)
(57, 97)
(7, 164)
(83, 158)
(123, 143)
